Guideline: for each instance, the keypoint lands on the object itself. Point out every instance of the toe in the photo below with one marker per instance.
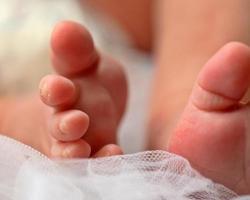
(224, 79)
(69, 125)
(108, 150)
(57, 91)
(73, 49)
(77, 149)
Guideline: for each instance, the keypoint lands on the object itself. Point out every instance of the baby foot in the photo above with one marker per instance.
(81, 105)
(88, 93)
(213, 133)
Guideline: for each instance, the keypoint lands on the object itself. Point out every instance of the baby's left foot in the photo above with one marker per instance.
(82, 104)
(88, 93)
(214, 131)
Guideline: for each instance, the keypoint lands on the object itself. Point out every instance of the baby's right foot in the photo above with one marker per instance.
(214, 131)
(85, 100)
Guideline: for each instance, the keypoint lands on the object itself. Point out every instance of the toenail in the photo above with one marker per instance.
(44, 91)
(74, 124)
(107, 154)
(67, 152)
(63, 127)
(56, 151)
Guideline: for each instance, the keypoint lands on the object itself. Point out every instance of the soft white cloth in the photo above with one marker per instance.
(26, 174)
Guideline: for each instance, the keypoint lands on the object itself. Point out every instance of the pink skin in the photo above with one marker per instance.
(85, 101)
(87, 95)
(213, 133)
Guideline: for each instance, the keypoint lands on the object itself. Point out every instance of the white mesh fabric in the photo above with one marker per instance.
(26, 174)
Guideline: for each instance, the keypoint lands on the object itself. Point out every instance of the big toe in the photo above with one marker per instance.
(73, 49)
(224, 79)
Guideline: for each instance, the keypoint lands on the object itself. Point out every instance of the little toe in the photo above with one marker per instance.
(57, 91)
(69, 125)
(108, 150)
(73, 49)
(224, 79)
(77, 149)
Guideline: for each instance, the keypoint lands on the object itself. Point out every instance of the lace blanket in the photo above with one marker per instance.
(26, 174)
